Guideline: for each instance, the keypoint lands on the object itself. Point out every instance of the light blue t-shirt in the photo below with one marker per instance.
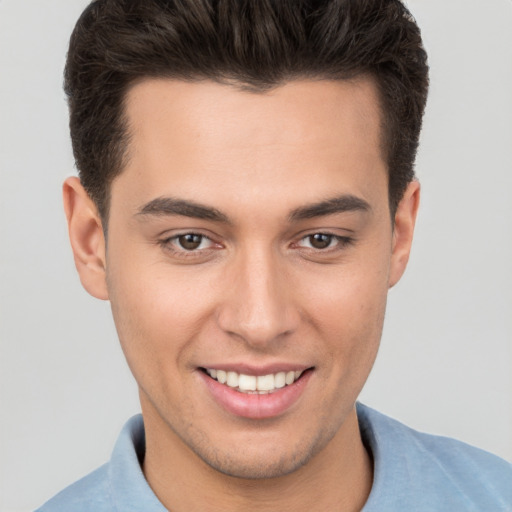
(413, 472)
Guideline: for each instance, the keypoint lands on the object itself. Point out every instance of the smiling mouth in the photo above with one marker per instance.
(252, 384)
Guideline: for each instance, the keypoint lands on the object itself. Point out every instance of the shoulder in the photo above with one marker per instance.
(117, 485)
(432, 472)
(89, 493)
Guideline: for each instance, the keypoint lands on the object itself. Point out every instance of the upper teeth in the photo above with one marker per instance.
(252, 383)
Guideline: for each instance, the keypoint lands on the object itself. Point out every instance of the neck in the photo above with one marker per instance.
(339, 478)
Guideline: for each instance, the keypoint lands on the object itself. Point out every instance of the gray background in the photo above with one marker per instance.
(444, 365)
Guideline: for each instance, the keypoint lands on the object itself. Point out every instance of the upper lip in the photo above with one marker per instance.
(249, 369)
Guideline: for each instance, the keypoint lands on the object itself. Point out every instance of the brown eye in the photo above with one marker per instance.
(190, 241)
(320, 240)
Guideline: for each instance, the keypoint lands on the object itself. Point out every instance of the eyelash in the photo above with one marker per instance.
(169, 244)
(341, 242)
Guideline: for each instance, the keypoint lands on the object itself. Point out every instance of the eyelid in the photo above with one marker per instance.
(342, 241)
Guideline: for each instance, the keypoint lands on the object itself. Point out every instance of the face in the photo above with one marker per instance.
(250, 240)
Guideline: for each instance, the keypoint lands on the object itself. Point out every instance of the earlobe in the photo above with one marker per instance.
(86, 237)
(405, 219)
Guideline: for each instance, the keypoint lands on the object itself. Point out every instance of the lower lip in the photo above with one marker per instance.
(256, 406)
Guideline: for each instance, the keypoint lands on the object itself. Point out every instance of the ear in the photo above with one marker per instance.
(86, 237)
(405, 219)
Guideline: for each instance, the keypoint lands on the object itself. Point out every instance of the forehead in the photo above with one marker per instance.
(203, 138)
(296, 111)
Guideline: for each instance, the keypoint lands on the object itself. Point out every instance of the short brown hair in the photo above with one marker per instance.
(256, 44)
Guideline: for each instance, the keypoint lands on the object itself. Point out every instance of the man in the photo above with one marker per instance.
(246, 199)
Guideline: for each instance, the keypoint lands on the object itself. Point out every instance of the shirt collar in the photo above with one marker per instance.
(130, 490)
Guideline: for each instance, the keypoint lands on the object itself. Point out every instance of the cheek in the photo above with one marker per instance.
(156, 313)
(348, 312)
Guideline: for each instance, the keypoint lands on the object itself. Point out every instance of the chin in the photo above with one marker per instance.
(238, 465)
(260, 460)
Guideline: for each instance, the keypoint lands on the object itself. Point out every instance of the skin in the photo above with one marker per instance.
(256, 290)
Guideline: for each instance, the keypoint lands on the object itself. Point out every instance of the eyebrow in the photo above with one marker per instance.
(162, 206)
(340, 204)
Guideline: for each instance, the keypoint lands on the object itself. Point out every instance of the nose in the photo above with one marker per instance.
(258, 306)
